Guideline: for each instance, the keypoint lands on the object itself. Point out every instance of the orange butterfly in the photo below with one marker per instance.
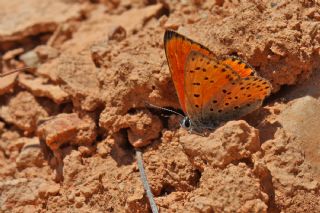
(211, 91)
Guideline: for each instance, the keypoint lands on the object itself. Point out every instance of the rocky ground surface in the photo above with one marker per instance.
(93, 67)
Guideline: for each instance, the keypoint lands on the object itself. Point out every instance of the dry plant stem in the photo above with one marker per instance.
(53, 38)
(145, 183)
(14, 71)
(8, 73)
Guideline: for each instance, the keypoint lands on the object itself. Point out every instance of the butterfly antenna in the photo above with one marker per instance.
(145, 182)
(165, 109)
(14, 71)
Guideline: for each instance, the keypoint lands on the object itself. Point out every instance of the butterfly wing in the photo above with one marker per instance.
(238, 65)
(204, 78)
(177, 48)
(215, 93)
(245, 96)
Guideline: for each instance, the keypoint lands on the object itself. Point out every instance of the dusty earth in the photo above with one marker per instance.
(94, 66)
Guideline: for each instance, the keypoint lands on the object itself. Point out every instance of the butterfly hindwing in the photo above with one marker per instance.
(214, 92)
(238, 99)
(204, 77)
(177, 48)
(238, 65)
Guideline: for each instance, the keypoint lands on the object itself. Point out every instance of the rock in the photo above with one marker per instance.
(79, 201)
(292, 174)
(133, 20)
(30, 58)
(19, 192)
(72, 166)
(39, 86)
(144, 127)
(91, 187)
(31, 155)
(46, 190)
(40, 54)
(129, 83)
(86, 151)
(73, 67)
(1, 126)
(301, 119)
(12, 54)
(46, 52)
(16, 145)
(7, 170)
(49, 70)
(233, 189)
(134, 200)
(67, 128)
(103, 149)
(23, 110)
(35, 17)
(74, 73)
(234, 141)
(114, 27)
(117, 33)
(12, 145)
(7, 83)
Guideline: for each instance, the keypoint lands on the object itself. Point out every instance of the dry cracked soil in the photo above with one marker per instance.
(70, 123)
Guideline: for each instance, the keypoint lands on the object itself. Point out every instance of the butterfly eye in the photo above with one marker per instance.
(186, 123)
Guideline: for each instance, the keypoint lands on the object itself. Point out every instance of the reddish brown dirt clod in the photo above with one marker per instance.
(233, 142)
(42, 88)
(23, 111)
(64, 128)
(7, 83)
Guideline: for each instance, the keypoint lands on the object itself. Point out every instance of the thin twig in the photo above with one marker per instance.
(145, 183)
(14, 71)
(54, 36)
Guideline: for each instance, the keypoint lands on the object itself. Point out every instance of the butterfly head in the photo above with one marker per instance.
(186, 123)
(191, 127)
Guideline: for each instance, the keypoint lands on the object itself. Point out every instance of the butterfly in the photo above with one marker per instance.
(211, 90)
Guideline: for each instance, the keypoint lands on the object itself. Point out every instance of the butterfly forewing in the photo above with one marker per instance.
(177, 48)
